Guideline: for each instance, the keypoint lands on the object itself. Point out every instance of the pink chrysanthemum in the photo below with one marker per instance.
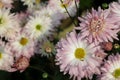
(97, 26)
(76, 57)
(6, 59)
(111, 68)
(115, 12)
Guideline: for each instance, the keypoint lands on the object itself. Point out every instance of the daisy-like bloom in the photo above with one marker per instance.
(115, 12)
(38, 26)
(45, 48)
(60, 6)
(31, 3)
(77, 57)
(22, 45)
(6, 59)
(54, 14)
(8, 24)
(111, 68)
(97, 26)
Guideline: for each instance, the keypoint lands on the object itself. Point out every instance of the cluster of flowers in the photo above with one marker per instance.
(26, 33)
(82, 54)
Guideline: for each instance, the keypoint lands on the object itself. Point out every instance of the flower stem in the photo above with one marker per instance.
(68, 13)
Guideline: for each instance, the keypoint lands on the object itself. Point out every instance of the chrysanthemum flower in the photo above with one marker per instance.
(77, 57)
(58, 5)
(111, 68)
(52, 13)
(115, 12)
(8, 24)
(22, 46)
(97, 26)
(38, 26)
(45, 48)
(6, 59)
(31, 3)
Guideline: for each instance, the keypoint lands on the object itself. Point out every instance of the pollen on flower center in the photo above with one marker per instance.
(80, 53)
(96, 25)
(64, 5)
(0, 55)
(116, 73)
(38, 27)
(37, 1)
(1, 20)
(23, 41)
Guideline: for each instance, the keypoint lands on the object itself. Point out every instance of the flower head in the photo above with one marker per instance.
(45, 48)
(38, 26)
(6, 59)
(77, 57)
(97, 26)
(22, 46)
(111, 68)
(60, 6)
(8, 24)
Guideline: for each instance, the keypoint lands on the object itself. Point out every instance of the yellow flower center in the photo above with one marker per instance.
(38, 27)
(116, 73)
(80, 53)
(23, 41)
(37, 1)
(63, 5)
(0, 55)
(96, 25)
(1, 20)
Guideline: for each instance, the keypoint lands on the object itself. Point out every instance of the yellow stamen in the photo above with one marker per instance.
(116, 73)
(23, 41)
(37, 1)
(80, 53)
(38, 27)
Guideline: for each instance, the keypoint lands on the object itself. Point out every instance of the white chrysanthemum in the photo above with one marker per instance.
(111, 68)
(54, 14)
(6, 59)
(31, 3)
(8, 24)
(58, 5)
(77, 57)
(22, 46)
(38, 26)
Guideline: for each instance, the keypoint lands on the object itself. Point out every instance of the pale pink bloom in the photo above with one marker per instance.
(8, 24)
(22, 17)
(115, 12)
(6, 59)
(59, 6)
(77, 57)
(22, 45)
(97, 26)
(111, 68)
